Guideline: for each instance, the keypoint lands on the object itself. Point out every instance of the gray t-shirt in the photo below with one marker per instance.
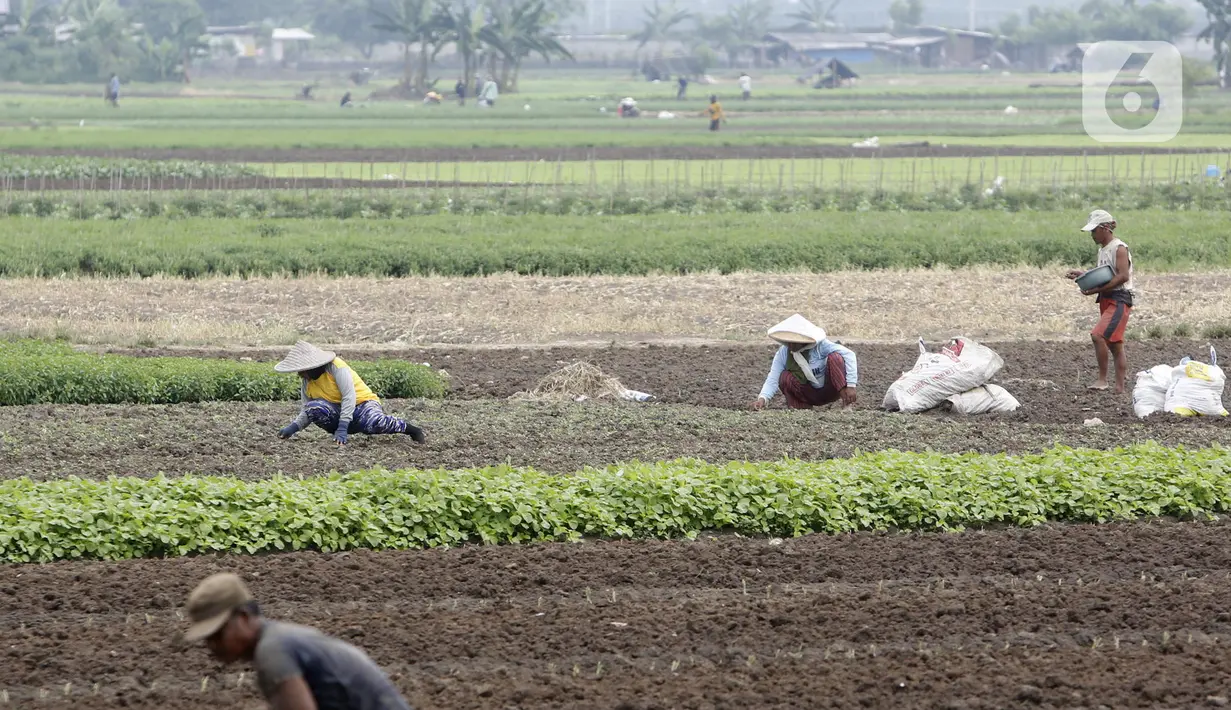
(340, 676)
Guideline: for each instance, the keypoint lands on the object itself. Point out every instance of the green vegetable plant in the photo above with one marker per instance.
(130, 517)
(42, 372)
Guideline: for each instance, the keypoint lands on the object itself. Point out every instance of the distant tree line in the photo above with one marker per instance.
(160, 40)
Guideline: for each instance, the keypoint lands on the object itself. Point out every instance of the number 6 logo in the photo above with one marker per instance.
(1105, 63)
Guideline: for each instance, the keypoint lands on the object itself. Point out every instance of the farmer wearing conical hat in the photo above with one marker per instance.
(808, 369)
(333, 397)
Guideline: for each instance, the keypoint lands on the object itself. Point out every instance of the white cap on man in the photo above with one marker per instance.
(1098, 217)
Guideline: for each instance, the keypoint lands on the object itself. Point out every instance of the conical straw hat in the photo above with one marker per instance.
(304, 356)
(797, 330)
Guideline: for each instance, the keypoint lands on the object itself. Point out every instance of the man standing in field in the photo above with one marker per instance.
(808, 369)
(333, 397)
(715, 113)
(113, 91)
(297, 667)
(745, 85)
(1115, 298)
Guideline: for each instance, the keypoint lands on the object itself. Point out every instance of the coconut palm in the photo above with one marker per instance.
(517, 29)
(1218, 34)
(462, 24)
(414, 22)
(815, 15)
(37, 20)
(660, 23)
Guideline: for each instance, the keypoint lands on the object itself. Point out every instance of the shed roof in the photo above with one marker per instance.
(292, 34)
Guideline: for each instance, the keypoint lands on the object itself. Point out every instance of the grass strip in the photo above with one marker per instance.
(578, 245)
(889, 490)
(19, 168)
(53, 373)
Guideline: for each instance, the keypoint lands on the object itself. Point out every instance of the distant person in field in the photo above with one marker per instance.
(1115, 298)
(715, 113)
(333, 397)
(113, 91)
(346, 102)
(490, 93)
(297, 667)
(682, 92)
(808, 369)
(460, 90)
(745, 85)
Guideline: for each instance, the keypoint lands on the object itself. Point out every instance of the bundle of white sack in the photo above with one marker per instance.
(958, 374)
(1190, 389)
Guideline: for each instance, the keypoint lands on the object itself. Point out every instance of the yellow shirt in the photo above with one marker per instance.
(326, 387)
(715, 110)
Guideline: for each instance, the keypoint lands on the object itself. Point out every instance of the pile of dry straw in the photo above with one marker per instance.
(575, 383)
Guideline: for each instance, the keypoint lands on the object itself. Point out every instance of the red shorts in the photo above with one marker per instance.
(1113, 316)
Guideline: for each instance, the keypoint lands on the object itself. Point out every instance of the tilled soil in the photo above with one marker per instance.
(1048, 378)
(703, 413)
(419, 154)
(1127, 615)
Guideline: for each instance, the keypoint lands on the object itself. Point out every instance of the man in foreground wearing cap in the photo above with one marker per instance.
(1115, 298)
(336, 399)
(297, 667)
(809, 369)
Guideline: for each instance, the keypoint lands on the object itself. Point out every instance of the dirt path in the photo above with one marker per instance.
(933, 149)
(1129, 615)
(703, 392)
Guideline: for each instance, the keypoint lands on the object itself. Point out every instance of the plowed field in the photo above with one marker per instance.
(1066, 616)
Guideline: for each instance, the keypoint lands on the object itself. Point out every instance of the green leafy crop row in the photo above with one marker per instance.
(38, 372)
(130, 517)
(19, 169)
(397, 203)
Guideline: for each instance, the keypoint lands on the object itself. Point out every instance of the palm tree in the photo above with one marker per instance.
(1218, 34)
(816, 15)
(659, 24)
(414, 22)
(104, 27)
(749, 21)
(37, 20)
(463, 25)
(516, 30)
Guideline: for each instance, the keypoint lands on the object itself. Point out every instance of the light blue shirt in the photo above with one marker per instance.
(115, 86)
(816, 358)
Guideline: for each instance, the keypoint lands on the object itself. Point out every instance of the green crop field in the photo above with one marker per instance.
(577, 112)
(123, 518)
(579, 245)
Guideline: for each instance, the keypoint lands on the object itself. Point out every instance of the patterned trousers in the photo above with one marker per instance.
(369, 418)
(800, 395)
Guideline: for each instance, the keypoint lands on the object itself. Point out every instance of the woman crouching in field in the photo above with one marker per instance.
(333, 397)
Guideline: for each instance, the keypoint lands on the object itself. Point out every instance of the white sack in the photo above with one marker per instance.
(1150, 393)
(960, 366)
(983, 400)
(1196, 389)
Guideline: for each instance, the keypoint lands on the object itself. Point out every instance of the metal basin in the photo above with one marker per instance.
(1095, 277)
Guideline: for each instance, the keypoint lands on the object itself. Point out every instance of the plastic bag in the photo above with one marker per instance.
(959, 367)
(988, 399)
(1150, 393)
(1196, 389)
(983, 400)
